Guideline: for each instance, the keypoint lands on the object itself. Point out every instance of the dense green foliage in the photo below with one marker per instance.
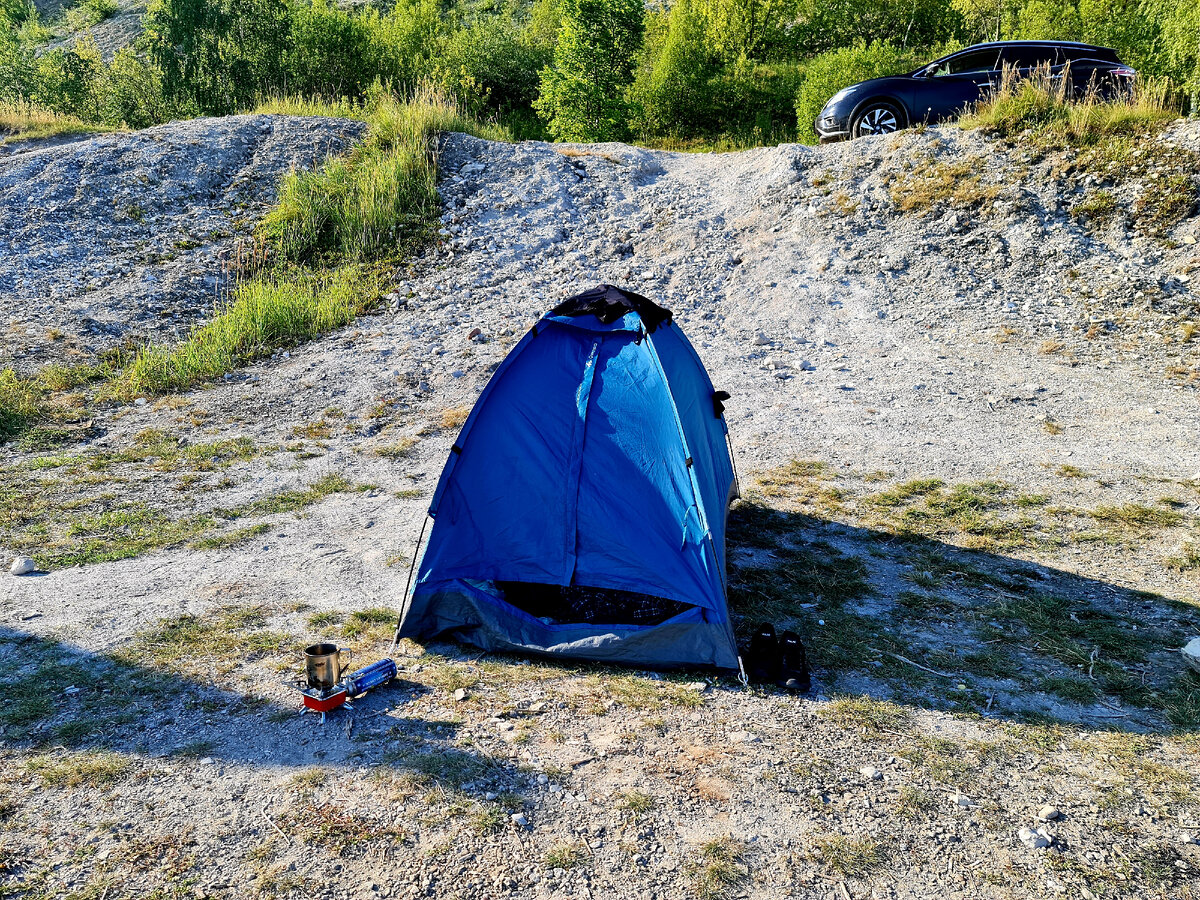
(583, 93)
(681, 73)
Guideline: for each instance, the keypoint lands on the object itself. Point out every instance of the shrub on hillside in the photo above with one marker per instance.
(492, 65)
(672, 91)
(828, 73)
(583, 93)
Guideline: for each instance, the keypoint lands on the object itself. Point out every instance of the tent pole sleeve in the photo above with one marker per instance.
(407, 585)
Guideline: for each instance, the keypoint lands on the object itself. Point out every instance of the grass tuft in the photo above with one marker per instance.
(1137, 515)
(95, 769)
(865, 713)
(382, 197)
(850, 857)
(1044, 106)
(264, 314)
(717, 869)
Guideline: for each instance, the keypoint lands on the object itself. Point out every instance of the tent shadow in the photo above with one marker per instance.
(61, 698)
(912, 619)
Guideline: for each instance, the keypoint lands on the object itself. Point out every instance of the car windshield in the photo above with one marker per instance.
(964, 63)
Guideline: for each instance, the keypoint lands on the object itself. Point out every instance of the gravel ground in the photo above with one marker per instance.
(1033, 365)
(120, 238)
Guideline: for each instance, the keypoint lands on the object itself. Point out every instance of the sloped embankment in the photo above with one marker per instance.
(129, 236)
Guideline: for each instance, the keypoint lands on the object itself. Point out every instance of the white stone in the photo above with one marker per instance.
(1190, 651)
(871, 773)
(1034, 840)
(23, 565)
(1048, 813)
(460, 694)
(519, 820)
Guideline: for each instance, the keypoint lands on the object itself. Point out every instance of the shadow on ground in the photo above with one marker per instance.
(62, 698)
(918, 621)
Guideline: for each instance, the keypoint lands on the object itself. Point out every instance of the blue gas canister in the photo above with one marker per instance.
(372, 676)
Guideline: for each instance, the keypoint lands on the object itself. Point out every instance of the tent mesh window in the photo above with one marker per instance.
(575, 604)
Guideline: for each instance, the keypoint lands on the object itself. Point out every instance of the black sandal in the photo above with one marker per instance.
(793, 670)
(763, 663)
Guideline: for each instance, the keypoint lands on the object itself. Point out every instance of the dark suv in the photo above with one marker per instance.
(945, 88)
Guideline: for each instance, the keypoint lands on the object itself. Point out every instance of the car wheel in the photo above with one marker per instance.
(877, 117)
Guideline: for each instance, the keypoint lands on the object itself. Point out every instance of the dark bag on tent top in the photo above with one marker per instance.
(582, 510)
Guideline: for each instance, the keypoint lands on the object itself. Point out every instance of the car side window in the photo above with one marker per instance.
(966, 63)
(1030, 57)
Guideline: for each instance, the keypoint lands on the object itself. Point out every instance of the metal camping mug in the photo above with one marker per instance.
(323, 665)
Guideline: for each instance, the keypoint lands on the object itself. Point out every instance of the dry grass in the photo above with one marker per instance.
(1043, 106)
(565, 855)
(850, 857)
(95, 769)
(865, 714)
(21, 120)
(936, 186)
(716, 869)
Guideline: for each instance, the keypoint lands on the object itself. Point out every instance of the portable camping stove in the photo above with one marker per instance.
(320, 696)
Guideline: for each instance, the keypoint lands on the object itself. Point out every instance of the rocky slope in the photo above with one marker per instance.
(124, 237)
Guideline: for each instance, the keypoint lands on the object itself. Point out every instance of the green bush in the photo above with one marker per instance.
(583, 94)
(828, 73)
(672, 91)
(492, 65)
(329, 50)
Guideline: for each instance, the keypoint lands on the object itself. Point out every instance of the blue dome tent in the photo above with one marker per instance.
(582, 510)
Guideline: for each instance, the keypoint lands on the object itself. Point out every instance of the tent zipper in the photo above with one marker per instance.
(582, 397)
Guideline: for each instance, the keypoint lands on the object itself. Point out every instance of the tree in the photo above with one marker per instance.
(583, 93)
(1180, 43)
(218, 55)
(672, 87)
(833, 24)
(745, 29)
